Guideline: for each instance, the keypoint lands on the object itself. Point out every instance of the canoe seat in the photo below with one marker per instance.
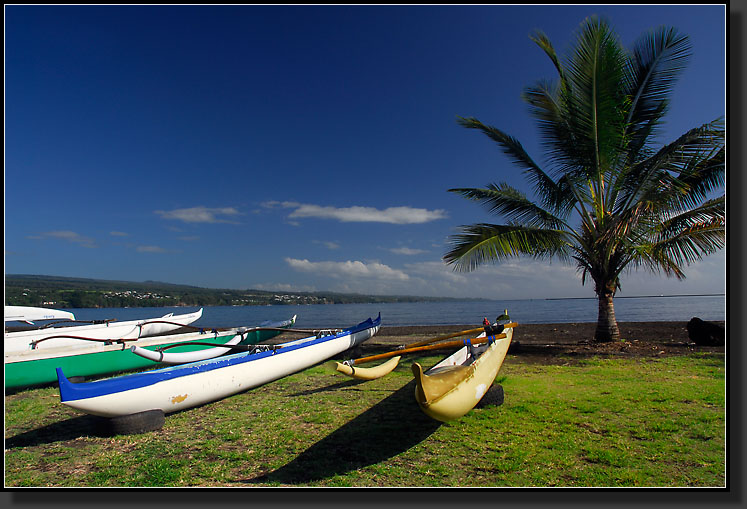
(439, 381)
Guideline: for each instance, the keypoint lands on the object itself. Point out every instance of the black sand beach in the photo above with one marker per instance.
(545, 342)
(550, 342)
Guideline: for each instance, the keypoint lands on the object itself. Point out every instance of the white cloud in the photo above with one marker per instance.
(150, 249)
(282, 287)
(69, 236)
(522, 278)
(357, 214)
(348, 269)
(200, 214)
(407, 251)
(533, 279)
(513, 280)
(327, 244)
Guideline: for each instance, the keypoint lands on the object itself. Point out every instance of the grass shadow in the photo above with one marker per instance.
(338, 385)
(12, 391)
(390, 427)
(69, 429)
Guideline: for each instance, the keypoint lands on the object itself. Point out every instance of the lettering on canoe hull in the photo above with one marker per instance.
(178, 399)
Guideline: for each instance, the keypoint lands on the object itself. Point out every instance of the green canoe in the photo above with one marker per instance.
(37, 367)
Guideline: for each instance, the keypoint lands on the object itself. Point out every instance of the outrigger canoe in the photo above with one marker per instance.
(65, 334)
(100, 357)
(455, 385)
(30, 314)
(184, 386)
(179, 354)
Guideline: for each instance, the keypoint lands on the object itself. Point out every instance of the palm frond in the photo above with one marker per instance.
(595, 73)
(682, 239)
(712, 213)
(511, 203)
(544, 43)
(701, 177)
(552, 195)
(688, 156)
(655, 262)
(559, 136)
(656, 62)
(689, 246)
(480, 243)
(509, 145)
(636, 141)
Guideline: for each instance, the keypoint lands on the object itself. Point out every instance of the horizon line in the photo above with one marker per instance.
(644, 296)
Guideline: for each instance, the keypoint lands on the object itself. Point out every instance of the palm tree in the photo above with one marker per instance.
(610, 201)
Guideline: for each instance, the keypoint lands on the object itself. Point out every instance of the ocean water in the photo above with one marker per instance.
(461, 312)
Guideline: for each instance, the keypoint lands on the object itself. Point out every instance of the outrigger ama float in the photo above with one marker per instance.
(147, 396)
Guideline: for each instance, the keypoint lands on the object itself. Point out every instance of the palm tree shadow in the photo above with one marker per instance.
(390, 427)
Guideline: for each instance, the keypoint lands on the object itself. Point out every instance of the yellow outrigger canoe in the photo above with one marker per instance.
(455, 385)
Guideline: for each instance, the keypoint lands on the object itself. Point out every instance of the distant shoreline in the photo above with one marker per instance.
(642, 296)
(69, 292)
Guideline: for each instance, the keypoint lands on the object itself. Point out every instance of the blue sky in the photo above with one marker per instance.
(295, 147)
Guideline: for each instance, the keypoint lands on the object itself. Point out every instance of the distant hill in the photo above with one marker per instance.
(70, 292)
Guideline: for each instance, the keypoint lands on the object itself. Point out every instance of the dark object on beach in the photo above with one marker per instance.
(494, 397)
(133, 424)
(705, 333)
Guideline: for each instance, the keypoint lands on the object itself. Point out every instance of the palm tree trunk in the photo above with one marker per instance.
(607, 329)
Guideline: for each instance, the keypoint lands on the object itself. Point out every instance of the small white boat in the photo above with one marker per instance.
(81, 336)
(184, 386)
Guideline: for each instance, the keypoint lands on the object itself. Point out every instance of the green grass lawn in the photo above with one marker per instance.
(601, 422)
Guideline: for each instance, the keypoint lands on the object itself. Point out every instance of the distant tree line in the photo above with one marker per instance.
(61, 292)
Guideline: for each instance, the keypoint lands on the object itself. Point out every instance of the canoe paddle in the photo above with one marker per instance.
(456, 334)
(485, 328)
(446, 336)
(348, 367)
(440, 346)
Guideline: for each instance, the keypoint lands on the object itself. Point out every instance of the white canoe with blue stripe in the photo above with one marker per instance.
(184, 386)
